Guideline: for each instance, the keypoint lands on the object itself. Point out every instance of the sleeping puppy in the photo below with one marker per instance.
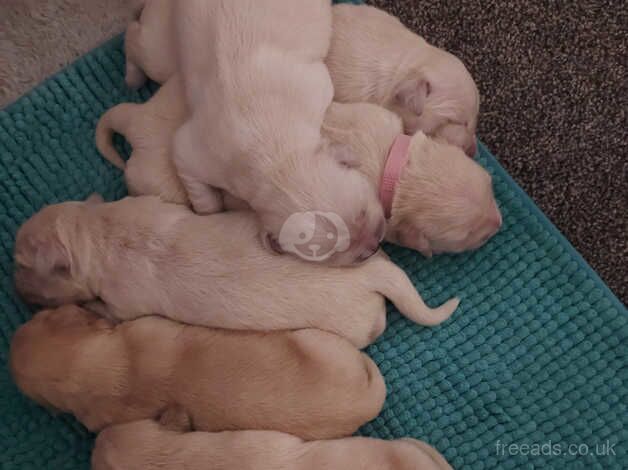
(149, 128)
(441, 202)
(148, 445)
(257, 98)
(374, 58)
(140, 256)
(149, 44)
(313, 384)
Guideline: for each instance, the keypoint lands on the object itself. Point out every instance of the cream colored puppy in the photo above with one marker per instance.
(149, 128)
(149, 44)
(258, 88)
(147, 445)
(442, 201)
(140, 256)
(375, 58)
(313, 384)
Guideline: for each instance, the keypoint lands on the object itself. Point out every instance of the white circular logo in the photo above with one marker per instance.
(315, 235)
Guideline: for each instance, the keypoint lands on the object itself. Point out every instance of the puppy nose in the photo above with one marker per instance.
(496, 220)
(371, 245)
(367, 253)
(380, 232)
(472, 149)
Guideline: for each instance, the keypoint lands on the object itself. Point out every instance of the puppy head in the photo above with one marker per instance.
(45, 350)
(47, 267)
(140, 444)
(444, 201)
(331, 212)
(441, 99)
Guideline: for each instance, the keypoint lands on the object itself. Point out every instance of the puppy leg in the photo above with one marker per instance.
(134, 77)
(204, 198)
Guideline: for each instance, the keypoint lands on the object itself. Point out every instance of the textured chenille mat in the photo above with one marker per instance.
(531, 372)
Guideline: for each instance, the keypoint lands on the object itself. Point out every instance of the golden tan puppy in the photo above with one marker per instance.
(141, 256)
(149, 44)
(147, 445)
(149, 128)
(442, 201)
(257, 95)
(313, 384)
(374, 58)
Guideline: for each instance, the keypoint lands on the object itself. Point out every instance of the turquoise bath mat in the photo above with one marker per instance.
(530, 373)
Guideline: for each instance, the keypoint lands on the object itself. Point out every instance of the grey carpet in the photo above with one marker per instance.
(553, 81)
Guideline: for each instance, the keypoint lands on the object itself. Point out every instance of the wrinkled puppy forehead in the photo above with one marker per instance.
(45, 221)
(48, 344)
(44, 227)
(452, 83)
(69, 321)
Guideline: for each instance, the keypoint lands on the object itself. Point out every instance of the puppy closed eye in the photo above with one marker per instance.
(428, 89)
(61, 270)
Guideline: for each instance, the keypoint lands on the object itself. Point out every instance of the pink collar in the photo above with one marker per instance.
(395, 162)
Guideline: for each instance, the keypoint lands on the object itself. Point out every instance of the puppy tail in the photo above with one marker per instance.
(392, 282)
(117, 119)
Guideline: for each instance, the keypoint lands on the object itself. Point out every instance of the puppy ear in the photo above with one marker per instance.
(423, 245)
(51, 257)
(175, 418)
(344, 155)
(94, 198)
(412, 237)
(412, 94)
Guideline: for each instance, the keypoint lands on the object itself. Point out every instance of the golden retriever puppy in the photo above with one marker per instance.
(374, 58)
(148, 445)
(443, 203)
(437, 200)
(257, 95)
(141, 256)
(149, 128)
(149, 44)
(313, 384)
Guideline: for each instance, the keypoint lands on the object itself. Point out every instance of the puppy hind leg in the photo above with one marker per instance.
(204, 198)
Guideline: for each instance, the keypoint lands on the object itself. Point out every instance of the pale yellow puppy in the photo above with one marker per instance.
(141, 256)
(375, 58)
(149, 128)
(149, 44)
(148, 445)
(257, 88)
(443, 201)
(313, 384)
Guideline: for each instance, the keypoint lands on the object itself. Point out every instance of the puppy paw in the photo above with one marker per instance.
(134, 77)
